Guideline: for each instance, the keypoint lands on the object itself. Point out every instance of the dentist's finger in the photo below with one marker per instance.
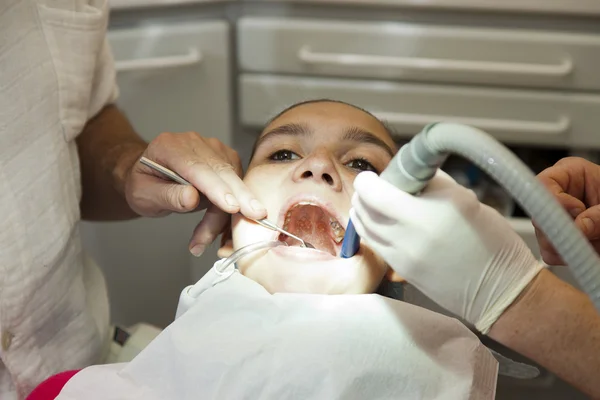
(372, 236)
(250, 206)
(547, 250)
(211, 167)
(212, 225)
(154, 196)
(377, 219)
(589, 223)
(206, 179)
(382, 196)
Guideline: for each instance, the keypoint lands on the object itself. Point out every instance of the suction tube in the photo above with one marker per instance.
(416, 163)
(225, 269)
(244, 251)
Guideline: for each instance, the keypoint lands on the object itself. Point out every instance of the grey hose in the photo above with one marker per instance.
(416, 163)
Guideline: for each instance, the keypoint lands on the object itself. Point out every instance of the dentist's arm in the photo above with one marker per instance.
(466, 257)
(558, 327)
(115, 186)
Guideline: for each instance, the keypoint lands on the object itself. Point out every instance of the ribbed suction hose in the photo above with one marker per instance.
(416, 163)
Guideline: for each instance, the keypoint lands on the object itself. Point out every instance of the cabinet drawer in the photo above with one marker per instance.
(172, 77)
(175, 77)
(420, 52)
(562, 7)
(512, 116)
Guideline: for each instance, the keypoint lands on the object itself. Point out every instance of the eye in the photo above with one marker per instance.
(361, 164)
(284, 155)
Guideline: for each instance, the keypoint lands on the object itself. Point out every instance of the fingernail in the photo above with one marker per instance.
(231, 200)
(183, 201)
(575, 212)
(197, 250)
(257, 206)
(588, 224)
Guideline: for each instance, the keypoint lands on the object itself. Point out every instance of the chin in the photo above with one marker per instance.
(298, 270)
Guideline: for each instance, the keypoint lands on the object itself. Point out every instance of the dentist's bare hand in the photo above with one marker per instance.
(575, 182)
(210, 166)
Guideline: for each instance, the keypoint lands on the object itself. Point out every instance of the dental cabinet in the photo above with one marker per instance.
(524, 71)
(172, 78)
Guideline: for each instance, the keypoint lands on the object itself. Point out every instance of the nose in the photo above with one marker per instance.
(321, 167)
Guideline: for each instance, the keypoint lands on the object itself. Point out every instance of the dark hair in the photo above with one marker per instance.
(388, 129)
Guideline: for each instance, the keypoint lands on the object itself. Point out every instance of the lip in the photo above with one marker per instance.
(302, 254)
(327, 206)
(311, 198)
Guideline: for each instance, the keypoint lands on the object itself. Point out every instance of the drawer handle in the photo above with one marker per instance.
(194, 56)
(563, 69)
(412, 121)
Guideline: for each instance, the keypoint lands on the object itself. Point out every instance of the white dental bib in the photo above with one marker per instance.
(237, 341)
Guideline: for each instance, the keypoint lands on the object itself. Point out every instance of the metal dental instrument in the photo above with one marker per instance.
(177, 178)
(269, 225)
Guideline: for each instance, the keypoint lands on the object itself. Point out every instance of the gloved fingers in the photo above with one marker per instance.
(374, 216)
(367, 231)
(440, 181)
(393, 202)
(382, 196)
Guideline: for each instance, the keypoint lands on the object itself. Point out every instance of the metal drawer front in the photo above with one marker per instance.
(512, 116)
(172, 77)
(419, 52)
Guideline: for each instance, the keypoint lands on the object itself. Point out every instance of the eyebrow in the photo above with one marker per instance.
(353, 134)
(356, 134)
(283, 130)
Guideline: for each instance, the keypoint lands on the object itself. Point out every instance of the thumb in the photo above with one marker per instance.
(589, 222)
(176, 197)
(151, 196)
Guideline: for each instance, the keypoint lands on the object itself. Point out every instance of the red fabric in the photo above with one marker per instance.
(51, 387)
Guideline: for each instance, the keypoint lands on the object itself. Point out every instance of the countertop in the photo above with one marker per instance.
(570, 7)
(128, 4)
(576, 7)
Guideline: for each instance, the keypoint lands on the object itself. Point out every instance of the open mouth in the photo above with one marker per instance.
(315, 225)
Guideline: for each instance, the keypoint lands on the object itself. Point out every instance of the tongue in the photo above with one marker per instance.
(312, 225)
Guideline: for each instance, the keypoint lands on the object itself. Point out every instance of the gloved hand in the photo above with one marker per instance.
(459, 252)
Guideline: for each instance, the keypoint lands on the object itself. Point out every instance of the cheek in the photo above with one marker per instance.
(378, 268)
(348, 181)
(245, 232)
(264, 179)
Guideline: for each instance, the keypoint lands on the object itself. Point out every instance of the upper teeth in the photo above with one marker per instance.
(336, 227)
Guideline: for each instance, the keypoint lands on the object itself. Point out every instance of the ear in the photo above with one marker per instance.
(392, 276)
(226, 248)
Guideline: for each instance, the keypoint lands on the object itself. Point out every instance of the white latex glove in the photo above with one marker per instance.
(459, 252)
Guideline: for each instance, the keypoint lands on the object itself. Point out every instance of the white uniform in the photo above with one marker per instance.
(236, 341)
(55, 74)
